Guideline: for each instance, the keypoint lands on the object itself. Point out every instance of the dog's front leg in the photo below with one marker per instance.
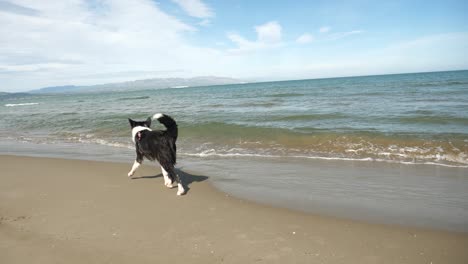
(167, 180)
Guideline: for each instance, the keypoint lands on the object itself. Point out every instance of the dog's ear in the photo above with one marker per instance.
(148, 122)
(132, 123)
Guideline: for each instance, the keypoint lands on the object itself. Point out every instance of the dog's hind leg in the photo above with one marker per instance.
(167, 180)
(136, 164)
(174, 176)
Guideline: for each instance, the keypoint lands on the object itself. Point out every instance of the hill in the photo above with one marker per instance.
(156, 83)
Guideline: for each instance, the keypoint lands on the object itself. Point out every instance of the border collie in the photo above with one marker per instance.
(159, 145)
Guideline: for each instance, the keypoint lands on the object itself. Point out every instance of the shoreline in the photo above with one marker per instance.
(421, 196)
(89, 211)
(24, 147)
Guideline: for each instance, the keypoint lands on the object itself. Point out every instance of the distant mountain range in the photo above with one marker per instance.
(5, 95)
(156, 83)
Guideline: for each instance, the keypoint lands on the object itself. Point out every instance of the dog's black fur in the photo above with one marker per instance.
(158, 145)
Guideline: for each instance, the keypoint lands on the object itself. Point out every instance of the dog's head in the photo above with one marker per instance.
(146, 123)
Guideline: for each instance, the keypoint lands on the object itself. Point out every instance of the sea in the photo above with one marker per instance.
(261, 140)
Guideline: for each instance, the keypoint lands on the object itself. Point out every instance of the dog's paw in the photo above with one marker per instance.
(181, 190)
(167, 182)
(130, 174)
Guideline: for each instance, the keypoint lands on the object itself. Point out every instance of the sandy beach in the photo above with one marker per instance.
(72, 211)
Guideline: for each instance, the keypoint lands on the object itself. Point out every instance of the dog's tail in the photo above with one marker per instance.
(169, 123)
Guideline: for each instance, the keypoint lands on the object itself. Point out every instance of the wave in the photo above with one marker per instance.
(133, 98)
(434, 120)
(68, 113)
(258, 104)
(215, 106)
(212, 153)
(229, 132)
(320, 146)
(87, 138)
(285, 95)
(22, 104)
(438, 83)
(456, 83)
(367, 93)
(420, 112)
(106, 143)
(308, 117)
(236, 141)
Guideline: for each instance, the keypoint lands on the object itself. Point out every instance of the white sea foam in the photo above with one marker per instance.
(211, 150)
(208, 151)
(22, 104)
(89, 139)
(213, 154)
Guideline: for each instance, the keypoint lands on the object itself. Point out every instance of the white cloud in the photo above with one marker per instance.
(324, 29)
(56, 42)
(269, 32)
(339, 35)
(268, 35)
(32, 67)
(195, 8)
(239, 40)
(305, 38)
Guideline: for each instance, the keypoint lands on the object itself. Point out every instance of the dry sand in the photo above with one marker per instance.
(69, 211)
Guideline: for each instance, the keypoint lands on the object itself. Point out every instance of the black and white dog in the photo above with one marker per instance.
(159, 145)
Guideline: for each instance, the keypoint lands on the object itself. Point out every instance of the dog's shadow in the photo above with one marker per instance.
(185, 177)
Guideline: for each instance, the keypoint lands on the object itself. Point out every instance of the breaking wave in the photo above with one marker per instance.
(22, 104)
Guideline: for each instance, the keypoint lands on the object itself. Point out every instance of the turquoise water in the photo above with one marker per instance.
(407, 118)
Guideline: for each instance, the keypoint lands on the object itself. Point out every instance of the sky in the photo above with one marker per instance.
(77, 42)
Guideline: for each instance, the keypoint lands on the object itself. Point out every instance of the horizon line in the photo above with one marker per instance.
(246, 81)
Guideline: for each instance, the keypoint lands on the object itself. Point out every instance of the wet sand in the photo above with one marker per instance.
(71, 211)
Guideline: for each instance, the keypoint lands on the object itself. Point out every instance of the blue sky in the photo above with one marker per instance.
(48, 43)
